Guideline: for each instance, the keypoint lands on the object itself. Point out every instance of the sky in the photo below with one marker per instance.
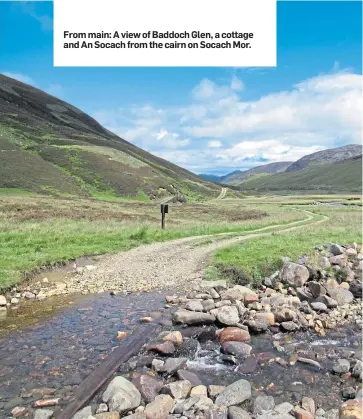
(213, 120)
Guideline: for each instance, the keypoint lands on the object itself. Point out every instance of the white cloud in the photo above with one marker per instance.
(214, 144)
(236, 83)
(218, 129)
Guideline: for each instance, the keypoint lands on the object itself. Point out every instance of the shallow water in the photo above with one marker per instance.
(65, 344)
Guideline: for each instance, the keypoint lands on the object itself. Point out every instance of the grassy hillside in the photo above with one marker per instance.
(49, 146)
(343, 177)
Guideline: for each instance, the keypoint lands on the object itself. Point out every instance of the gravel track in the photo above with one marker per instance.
(178, 263)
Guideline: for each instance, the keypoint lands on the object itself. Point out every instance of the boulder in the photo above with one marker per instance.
(235, 412)
(341, 366)
(43, 414)
(357, 370)
(228, 315)
(172, 365)
(336, 250)
(213, 390)
(235, 334)
(83, 413)
(194, 305)
(2, 301)
(316, 289)
(289, 326)
(351, 409)
(193, 318)
(107, 415)
(198, 391)
(257, 326)
(189, 376)
(160, 407)
(239, 349)
(178, 389)
(319, 307)
(340, 260)
(263, 404)
(165, 348)
(238, 293)
(234, 394)
(121, 395)
(294, 274)
(328, 301)
(148, 386)
(341, 295)
(217, 285)
(175, 337)
(285, 315)
(356, 289)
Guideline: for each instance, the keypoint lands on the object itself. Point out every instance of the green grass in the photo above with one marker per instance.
(40, 231)
(257, 258)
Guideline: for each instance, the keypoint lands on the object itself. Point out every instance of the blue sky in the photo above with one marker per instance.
(213, 120)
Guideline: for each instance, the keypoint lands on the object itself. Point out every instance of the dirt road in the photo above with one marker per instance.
(173, 263)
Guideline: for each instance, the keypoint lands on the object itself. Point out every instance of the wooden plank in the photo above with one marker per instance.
(128, 347)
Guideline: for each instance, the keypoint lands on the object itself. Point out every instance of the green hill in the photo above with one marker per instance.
(49, 146)
(341, 177)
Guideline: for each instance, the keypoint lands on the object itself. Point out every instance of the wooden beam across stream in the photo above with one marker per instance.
(95, 380)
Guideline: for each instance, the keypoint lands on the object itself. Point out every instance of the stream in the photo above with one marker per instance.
(55, 344)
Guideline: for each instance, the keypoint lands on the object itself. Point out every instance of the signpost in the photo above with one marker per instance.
(164, 210)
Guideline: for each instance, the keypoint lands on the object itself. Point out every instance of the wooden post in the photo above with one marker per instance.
(164, 210)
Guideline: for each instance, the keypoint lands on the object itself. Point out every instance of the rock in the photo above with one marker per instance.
(304, 295)
(146, 319)
(138, 415)
(248, 366)
(341, 296)
(235, 334)
(185, 405)
(359, 394)
(285, 315)
(28, 295)
(19, 411)
(332, 414)
(238, 293)
(284, 408)
(213, 390)
(356, 289)
(328, 301)
(235, 412)
(263, 404)
(289, 326)
(228, 315)
(319, 307)
(336, 250)
(83, 413)
(172, 365)
(351, 409)
(199, 391)
(203, 403)
(316, 289)
(341, 366)
(148, 386)
(14, 301)
(223, 303)
(189, 376)
(234, 394)
(340, 260)
(302, 413)
(266, 316)
(239, 349)
(324, 262)
(166, 348)
(107, 415)
(351, 252)
(208, 305)
(309, 361)
(348, 393)
(193, 318)
(157, 364)
(121, 395)
(178, 389)
(217, 285)
(102, 408)
(213, 413)
(257, 326)
(357, 370)
(2, 301)
(308, 404)
(43, 414)
(294, 274)
(194, 305)
(175, 337)
(160, 407)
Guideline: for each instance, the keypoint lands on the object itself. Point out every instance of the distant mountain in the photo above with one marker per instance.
(341, 177)
(332, 155)
(239, 176)
(49, 146)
